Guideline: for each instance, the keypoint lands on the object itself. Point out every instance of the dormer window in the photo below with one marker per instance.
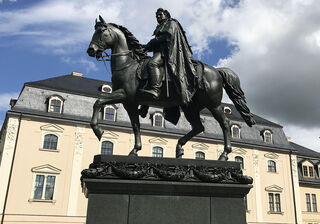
(106, 88)
(308, 170)
(110, 113)
(235, 131)
(55, 104)
(158, 120)
(227, 110)
(267, 136)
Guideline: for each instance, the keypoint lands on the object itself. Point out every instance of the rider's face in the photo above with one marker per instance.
(160, 17)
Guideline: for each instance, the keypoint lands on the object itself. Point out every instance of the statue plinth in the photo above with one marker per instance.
(144, 190)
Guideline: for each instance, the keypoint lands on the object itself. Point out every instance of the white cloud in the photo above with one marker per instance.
(5, 100)
(85, 63)
(305, 137)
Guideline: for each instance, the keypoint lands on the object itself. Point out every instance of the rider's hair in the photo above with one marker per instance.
(166, 12)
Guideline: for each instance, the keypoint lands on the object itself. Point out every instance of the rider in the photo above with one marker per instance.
(170, 45)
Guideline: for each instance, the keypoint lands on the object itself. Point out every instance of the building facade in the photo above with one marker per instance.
(46, 141)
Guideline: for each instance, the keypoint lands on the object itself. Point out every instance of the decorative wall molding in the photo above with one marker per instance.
(47, 168)
(271, 155)
(158, 141)
(274, 188)
(51, 128)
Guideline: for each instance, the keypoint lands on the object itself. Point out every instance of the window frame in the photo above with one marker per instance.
(265, 132)
(156, 114)
(270, 167)
(314, 203)
(239, 131)
(45, 171)
(56, 98)
(108, 141)
(274, 203)
(153, 153)
(308, 202)
(50, 143)
(200, 157)
(114, 112)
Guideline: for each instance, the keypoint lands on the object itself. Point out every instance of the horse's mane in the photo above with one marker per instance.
(133, 43)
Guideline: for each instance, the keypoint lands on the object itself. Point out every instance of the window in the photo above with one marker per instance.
(44, 187)
(158, 120)
(106, 148)
(274, 202)
(311, 171)
(55, 104)
(157, 152)
(314, 203)
(305, 171)
(267, 136)
(235, 131)
(308, 202)
(50, 142)
(308, 171)
(227, 110)
(272, 166)
(239, 159)
(200, 155)
(110, 113)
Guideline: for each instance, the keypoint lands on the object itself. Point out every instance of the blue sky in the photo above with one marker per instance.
(274, 46)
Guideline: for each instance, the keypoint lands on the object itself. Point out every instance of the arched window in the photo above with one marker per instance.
(157, 151)
(55, 104)
(200, 155)
(158, 120)
(239, 159)
(50, 142)
(267, 136)
(235, 131)
(110, 113)
(106, 148)
(272, 167)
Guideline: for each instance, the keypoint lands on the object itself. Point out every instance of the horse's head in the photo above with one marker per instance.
(102, 39)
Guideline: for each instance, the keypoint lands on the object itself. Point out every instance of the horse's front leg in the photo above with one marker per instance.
(133, 113)
(117, 96)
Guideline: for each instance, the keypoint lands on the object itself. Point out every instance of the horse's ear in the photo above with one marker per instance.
(102, 20)
(96, 20)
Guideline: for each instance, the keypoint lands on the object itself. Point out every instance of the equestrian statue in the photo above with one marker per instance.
(171, 79)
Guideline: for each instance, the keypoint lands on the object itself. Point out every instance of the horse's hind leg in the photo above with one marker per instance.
(193, 116)
(133, 113)
(219, 115)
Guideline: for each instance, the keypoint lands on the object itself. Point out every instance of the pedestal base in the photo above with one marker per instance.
(149, 199)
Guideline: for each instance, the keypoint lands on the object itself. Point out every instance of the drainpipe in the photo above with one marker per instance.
(11, 169)
(293, 190)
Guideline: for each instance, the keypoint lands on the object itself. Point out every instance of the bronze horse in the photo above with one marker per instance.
(126, 55)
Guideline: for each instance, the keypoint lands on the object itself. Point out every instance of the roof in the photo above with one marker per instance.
(92, 87)
(71, 84)
(303, 151)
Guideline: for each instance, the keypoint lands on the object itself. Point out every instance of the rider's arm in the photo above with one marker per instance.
(155, 41)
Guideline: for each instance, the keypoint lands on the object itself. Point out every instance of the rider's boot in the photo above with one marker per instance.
(155, 82)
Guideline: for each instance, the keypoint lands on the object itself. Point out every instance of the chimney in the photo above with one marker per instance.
(77, 74)
(13, 102)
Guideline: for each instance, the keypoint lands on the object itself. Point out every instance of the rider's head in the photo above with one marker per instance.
(162, 15)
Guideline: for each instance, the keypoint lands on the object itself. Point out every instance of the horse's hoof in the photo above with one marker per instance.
(179, 152)
(97, 131)
(223, 157)
(133, 153)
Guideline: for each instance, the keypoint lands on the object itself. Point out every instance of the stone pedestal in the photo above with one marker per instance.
(143, 190)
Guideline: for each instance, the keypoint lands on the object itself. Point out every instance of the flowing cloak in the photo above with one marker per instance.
(178, 55)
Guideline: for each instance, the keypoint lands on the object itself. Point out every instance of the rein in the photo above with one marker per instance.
(105, 58)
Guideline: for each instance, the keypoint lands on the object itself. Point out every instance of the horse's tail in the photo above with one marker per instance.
(235, 93)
